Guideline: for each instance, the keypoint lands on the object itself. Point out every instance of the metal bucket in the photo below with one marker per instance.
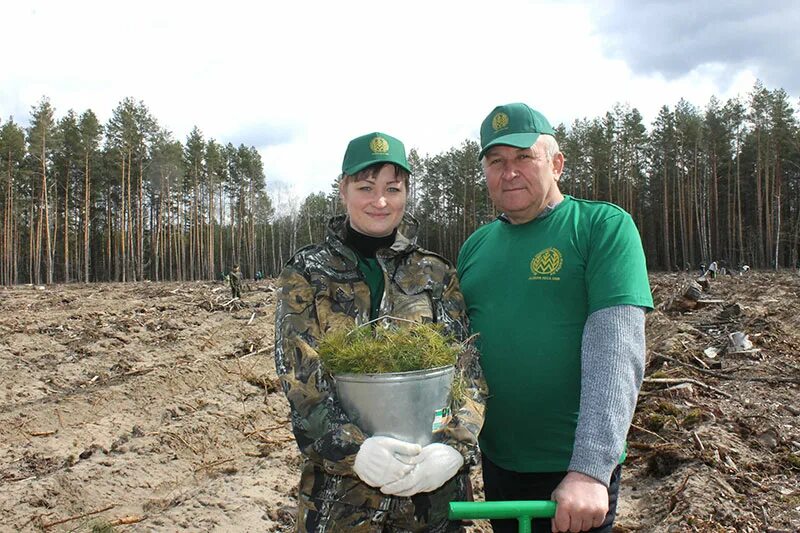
(410, 406)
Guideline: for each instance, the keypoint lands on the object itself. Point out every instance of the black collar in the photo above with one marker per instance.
(365, 245)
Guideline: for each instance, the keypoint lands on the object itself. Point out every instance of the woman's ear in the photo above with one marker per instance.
(343, 189)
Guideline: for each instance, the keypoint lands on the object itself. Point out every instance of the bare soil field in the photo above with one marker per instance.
(155, 407)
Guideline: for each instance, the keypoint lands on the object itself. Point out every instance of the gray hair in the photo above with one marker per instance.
(549, 144)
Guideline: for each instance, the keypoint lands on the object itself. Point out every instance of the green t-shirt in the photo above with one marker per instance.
(529, 289)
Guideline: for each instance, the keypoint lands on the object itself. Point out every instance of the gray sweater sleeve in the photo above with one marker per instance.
(612, 368)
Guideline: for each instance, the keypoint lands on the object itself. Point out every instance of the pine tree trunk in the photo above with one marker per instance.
(140, 224)
(768, 199)
(48, 246)
(129, 222)
(123, 266)
(666, 225)
(32, 249)
(168, 273)
(778, 231)
(86, 217)
(39, 232)
(193, 229)
(5, 267)
(109, 236)
(221, 227)
(682, 218)
(9, 244)
(66, 223)
(740, 226)
(16, 243)
(274, 255)
(714, 211)
(211, 274)
(729, 215)
(759, 201)
(778, 183)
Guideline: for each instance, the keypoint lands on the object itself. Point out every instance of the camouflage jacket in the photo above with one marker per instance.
(322, 288)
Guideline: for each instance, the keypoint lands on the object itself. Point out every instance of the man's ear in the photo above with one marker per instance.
(558, 165)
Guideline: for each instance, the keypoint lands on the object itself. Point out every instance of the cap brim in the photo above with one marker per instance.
(517, 140)
(351, 171)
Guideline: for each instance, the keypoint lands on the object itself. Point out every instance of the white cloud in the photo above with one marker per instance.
(298, 80)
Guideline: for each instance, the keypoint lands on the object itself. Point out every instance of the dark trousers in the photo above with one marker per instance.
(506, 485)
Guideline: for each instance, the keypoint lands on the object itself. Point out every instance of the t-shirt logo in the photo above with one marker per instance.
(546, 263)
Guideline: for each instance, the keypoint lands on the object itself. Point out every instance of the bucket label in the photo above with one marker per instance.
(441, 418)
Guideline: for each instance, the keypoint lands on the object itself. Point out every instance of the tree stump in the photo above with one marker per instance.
(731, 311)
(687, 299)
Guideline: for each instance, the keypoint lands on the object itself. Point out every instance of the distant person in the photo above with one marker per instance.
(556, 289)
(259, 276)
(369, 268)
(712, 269)
(235, 280)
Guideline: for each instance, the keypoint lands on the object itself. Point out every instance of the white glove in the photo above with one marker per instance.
(383, 460)
(435, 465)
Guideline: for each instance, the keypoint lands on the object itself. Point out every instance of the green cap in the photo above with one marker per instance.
(513, 125)
(372, 149)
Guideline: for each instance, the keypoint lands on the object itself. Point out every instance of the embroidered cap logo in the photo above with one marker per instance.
(379, 145)
(499, 121)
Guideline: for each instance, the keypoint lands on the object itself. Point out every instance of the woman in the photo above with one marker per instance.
(369, 267)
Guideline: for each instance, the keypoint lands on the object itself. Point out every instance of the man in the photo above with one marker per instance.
(557, 290)
(235, 280)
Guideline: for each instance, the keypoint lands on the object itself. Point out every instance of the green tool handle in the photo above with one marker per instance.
(522, 511)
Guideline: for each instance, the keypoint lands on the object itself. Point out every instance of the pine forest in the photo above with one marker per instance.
(83, 201)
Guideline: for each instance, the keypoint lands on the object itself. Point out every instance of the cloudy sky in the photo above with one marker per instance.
(297, 80)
